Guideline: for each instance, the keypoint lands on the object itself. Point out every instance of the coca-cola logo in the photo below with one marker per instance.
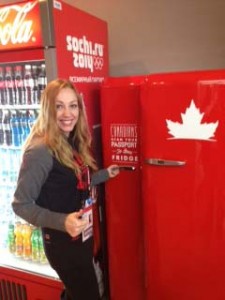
(17, 25)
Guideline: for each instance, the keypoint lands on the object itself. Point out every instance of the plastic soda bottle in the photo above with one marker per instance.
(19, 85)
(31, 118)
(9, 86)
(35, 245)
(43, 259)
(18, 239)
(7, 130)
(2, 87)
(1, 128)
(42, 80)
(35, 94)
(20, 130)
(24, 125)
(26, 241)
(28, 83)
(15, 129)
(11, 239)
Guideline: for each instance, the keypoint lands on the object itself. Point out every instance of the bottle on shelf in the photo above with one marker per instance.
(2, 86)
(14, 121)
(31, 118)
(36, 112)
(19, 86)
(18, 239)
(42, 257)
(7, 130)
(11, 239)
(9, 85)
(26, 232)
(19, 117)
(35, 93)
(42, 80)
(29, 84)
(1, 128)
(35, 255)
(24, 125)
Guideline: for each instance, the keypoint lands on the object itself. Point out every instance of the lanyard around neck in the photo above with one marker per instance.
(83, 177)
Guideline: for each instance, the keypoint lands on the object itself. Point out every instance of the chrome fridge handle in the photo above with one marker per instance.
(164, 162)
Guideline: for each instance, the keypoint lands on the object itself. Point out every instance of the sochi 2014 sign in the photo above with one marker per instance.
(86, 54)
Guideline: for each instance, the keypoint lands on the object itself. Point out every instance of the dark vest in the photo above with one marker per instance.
(59, 193)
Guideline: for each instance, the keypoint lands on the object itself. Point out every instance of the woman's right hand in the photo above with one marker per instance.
(74, 224)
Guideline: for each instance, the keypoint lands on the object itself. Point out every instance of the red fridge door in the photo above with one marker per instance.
(120, 134)
(183, 190)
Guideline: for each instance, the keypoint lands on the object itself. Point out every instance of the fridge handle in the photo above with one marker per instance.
(164, 162)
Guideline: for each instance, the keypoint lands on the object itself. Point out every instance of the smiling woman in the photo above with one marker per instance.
(55, 189)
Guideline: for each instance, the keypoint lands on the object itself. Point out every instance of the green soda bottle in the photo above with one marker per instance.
(11, 239)
(43, 258)
(35, 255)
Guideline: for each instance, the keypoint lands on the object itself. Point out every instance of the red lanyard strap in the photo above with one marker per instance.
(83, 177)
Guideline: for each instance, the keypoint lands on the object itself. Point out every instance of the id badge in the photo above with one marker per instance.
(88, 216)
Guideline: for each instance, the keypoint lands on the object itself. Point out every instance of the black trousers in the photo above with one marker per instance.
(73, 262)
(79, 286)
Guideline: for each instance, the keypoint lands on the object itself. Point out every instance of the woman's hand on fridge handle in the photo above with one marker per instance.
(74, 224)
(113, 170)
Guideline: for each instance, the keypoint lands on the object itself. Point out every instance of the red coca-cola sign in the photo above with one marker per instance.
(20, 26)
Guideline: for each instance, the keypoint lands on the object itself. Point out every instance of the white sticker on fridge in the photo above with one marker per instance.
(57, 5)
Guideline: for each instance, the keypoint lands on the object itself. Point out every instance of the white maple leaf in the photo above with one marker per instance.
(191, 127)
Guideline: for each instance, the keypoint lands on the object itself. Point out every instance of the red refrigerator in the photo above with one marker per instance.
(39, 41)
(181, 165)
(120, 107)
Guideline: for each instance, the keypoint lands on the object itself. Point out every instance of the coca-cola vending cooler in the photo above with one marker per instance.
(39, 41)
(181, 172)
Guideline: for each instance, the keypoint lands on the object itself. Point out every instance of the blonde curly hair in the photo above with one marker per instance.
(45, 129)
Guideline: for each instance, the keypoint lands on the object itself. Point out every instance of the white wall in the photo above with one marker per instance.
(151, 36)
